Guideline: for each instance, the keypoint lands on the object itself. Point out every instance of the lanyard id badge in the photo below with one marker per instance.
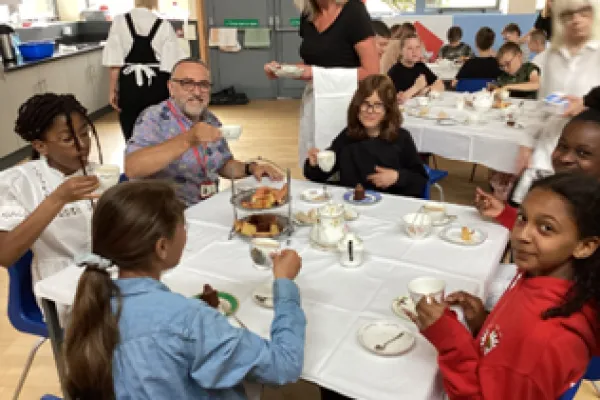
(207, 188)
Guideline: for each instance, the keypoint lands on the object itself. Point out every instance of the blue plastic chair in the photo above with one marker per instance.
(50, 397)
(123, 178)
(435, 175)
(472, 85)
(592, 373)
(23, 311)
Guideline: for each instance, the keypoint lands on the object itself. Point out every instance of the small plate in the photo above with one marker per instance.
(379, 332)
(315, 196)
(288, 71)
(263, 295)
(371, 197)
(228, 303)
(453, 234)
(302, 218)
(402, 303)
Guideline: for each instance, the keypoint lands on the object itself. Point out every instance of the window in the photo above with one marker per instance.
(31, 10)
(540, 4)
(457, 4)
(391, 6)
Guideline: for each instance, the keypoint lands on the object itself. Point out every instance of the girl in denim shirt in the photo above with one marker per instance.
(134, 339)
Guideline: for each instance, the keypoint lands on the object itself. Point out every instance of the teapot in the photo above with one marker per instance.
(351, 250)
(330, 226)
(483, 101)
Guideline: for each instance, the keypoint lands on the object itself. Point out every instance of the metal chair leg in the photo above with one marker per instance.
(30, 359)
(473, 173)
(440, 191)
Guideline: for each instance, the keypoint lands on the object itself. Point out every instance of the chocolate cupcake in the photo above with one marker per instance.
(210, 296)
(359, 193)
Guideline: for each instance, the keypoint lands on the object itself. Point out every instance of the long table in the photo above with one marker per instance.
(337, 301)
(490, 142)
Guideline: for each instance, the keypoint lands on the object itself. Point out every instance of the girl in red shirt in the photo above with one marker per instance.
(539, 338)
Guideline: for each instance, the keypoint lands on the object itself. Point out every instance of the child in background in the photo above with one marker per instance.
(393, 52)
(455, 49)
(538, 340)
(512, 34)
(520, 77)
(133, 338)
(412, 77)
(578, 149)
(485, 65)
(537, 46)
(382, 36)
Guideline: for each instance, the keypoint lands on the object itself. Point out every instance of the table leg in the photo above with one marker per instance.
(56, 339)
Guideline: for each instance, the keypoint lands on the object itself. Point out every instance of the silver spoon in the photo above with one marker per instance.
(381, 347)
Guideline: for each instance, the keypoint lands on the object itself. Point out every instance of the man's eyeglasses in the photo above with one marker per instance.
(568, 16)
(189, 84)
(365, 106)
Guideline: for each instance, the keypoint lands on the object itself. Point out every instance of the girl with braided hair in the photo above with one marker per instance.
(45, 203)
(538, 340)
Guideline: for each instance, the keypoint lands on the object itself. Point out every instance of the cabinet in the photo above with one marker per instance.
(82, 75)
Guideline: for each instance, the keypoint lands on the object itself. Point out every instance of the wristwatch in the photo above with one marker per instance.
(247, 168)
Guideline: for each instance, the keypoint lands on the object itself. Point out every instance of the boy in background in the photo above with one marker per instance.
(512, 33)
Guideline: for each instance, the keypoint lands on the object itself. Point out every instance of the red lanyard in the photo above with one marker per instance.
(202, 161)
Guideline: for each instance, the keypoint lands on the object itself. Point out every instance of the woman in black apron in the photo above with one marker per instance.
(141, 82)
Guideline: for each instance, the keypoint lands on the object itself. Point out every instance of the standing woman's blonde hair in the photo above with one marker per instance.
(310, 7)
(558, 28)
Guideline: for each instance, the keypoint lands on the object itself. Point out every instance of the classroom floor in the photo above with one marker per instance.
(271, 131)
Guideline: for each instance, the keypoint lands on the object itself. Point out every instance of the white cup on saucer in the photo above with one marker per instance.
(426, 286)
(108, 175)
(326, 160)
(435, 210)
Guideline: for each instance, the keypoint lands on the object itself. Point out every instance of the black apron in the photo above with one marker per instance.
(135, 98)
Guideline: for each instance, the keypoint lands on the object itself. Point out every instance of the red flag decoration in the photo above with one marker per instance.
(431, 41)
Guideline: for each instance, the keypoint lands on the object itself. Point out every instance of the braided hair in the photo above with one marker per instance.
(37, 114)
(582, 193)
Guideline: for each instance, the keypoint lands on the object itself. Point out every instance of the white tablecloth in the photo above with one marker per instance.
(491, 142)
(337, 301)
(445, 73)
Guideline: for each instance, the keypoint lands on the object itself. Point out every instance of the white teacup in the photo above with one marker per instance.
(326, 160)
(108, 175)
(422, 101)
(436, 210)
(261, 250)
(426, 286)
(231, 132)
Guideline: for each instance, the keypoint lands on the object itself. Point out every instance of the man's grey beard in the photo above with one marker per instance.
(193, 117)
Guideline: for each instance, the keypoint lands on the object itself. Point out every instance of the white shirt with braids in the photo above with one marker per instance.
(22, 189)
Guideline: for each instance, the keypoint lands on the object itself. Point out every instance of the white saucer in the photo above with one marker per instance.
(447, 219)
(379, 332)
(315, 195)
(452, 234)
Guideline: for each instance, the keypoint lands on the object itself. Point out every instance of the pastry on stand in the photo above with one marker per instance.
(359, 193)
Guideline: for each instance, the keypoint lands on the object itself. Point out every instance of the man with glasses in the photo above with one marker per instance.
(179, 139)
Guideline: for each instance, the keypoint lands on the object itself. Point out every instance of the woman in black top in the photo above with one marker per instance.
(485, 65)
(374, 150)
(335, 34)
